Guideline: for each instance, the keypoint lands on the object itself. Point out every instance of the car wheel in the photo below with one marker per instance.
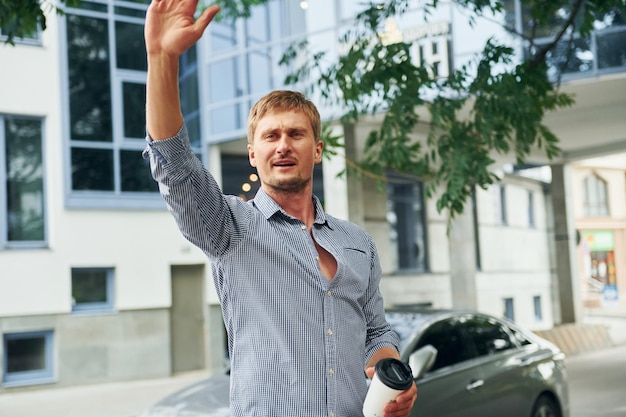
(545, 407)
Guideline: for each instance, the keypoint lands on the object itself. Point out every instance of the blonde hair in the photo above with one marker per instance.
(284, 100)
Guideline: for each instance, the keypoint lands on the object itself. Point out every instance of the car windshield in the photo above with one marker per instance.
(405, 324)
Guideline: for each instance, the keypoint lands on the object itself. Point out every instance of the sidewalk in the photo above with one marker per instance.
(614, 320)
(118, 399)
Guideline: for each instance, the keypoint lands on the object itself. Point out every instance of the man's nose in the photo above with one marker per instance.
(283, 145)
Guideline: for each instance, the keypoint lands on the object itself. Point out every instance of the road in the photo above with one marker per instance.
(597, 383)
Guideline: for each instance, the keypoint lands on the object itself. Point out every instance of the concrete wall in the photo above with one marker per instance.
(92, 348)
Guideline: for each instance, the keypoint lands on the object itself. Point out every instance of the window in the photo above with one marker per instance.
(573, 57)
(488, 336)
(92, 289)
(499, 204)
(27, 358)
(531, 209)
(595, 199)
(476, 230)
(106, 73)
(406, 217)
(32, 39)
(537, 308)
(503, 217)
(509, 310)
(21, 182)
(244, 64)
(447, 339)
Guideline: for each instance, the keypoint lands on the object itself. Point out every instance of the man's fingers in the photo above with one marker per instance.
(206, 17)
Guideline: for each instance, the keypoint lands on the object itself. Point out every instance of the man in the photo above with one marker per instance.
(298, 288)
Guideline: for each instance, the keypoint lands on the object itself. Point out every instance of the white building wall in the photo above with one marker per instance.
(132, 341)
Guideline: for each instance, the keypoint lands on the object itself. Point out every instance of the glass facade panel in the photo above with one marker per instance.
(190, 96)
(89, 79)
(193, 128)
(24, 180)
(136, 173)
(257, 26)
(224, 78)
(260, 71)
(223, 36)
(611, 49)
(92, 169)
(571, 57)
(134, 95)
(130, 46)
(107, 66)
(226, 119)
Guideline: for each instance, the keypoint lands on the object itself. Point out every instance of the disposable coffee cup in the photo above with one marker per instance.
(392, 376)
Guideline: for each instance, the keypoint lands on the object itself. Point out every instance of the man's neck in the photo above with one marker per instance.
(298, 205)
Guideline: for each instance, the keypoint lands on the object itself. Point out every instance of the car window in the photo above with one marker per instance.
(488, 335)
(446, 338)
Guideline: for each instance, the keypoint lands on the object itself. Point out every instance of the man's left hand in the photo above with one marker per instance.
(403, 404)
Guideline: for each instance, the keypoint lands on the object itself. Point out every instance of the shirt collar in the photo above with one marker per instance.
(268, 207)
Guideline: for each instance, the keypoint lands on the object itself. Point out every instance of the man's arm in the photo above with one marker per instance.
(169, 31)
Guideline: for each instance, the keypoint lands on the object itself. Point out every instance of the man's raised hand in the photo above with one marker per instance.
(171, 27)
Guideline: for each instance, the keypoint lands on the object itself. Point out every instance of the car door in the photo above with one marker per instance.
(505, 388)
(448, 390)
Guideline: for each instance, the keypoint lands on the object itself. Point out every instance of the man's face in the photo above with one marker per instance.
(284, 151)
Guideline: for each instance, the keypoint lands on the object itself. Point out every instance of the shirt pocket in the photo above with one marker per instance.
(357, 261)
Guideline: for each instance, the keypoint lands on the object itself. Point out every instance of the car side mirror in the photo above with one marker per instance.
(422, 360)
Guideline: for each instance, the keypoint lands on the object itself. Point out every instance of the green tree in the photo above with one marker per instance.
(506, 99)
(496, 104)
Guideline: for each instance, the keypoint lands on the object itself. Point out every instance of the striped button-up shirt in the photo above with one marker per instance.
(298, 342)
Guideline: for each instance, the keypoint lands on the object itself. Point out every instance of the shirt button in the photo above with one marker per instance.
(331, 372)
(303, 227)
(328, 293)
(329, 332)
(331, 414)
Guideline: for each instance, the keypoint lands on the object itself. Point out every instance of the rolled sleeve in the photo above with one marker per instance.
(171, 159)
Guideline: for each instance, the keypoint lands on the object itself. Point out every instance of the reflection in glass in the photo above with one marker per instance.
(89, 285)
(406, 218)
(225, 119)
(130, 46)
(223, 36)
(193, 128)
(257, 26)
(611, 49)
(570, 57)
(224, 77)
(136, 172)
(89, 79)
(26, 354)
(24, 164)
(260, 71)
(92, 169)
(134, 95)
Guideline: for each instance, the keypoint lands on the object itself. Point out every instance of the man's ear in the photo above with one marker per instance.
(319, 146)
(251, 157)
